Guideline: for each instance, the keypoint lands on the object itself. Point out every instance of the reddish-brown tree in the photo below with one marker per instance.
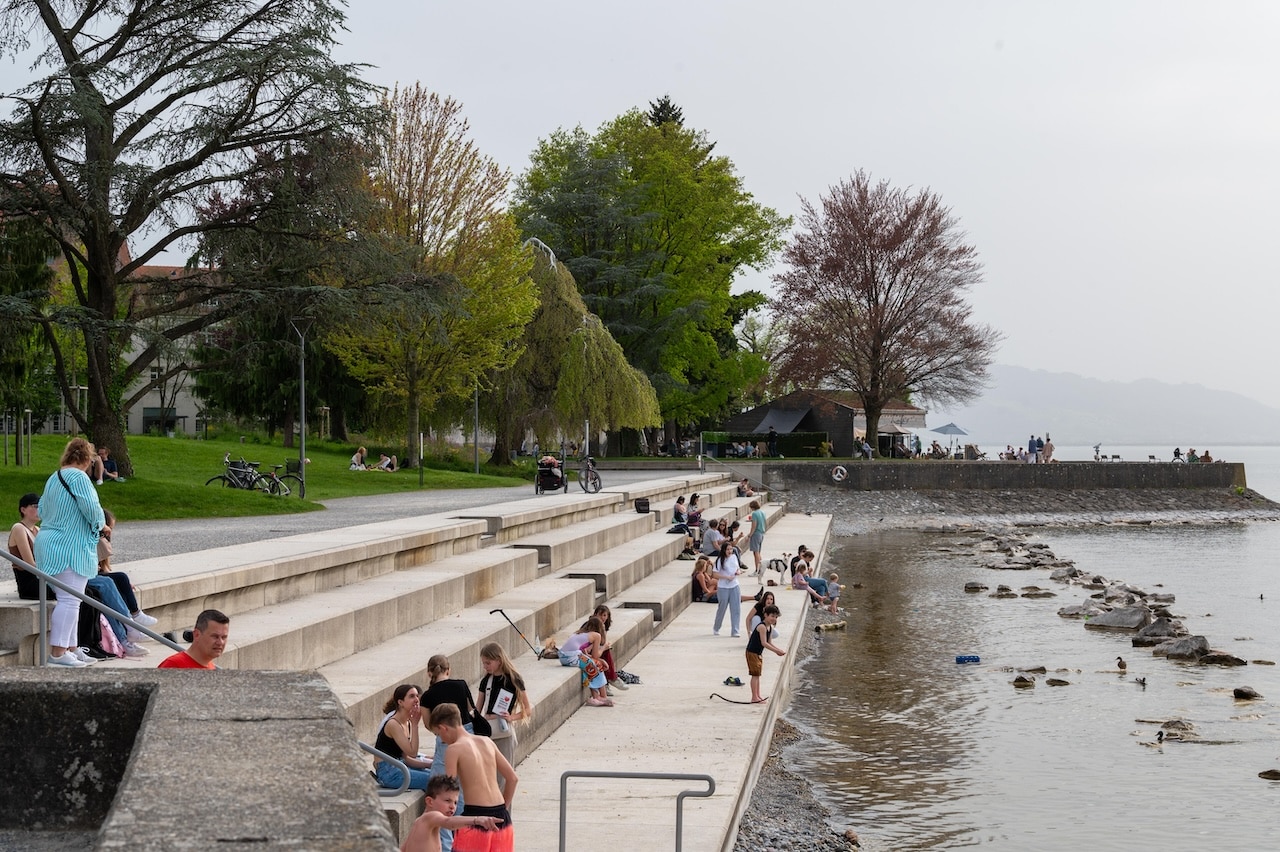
(873, 299)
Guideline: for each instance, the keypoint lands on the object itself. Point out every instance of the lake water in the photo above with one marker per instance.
(915, 752)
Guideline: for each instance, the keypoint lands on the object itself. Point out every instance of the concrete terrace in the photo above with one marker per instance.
(366, 605)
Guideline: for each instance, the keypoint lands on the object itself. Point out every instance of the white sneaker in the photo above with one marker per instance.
(146, 620)
(99, 482)
(83, 655)
(133, 635)
(132, 650)
(66, 660)
(618, 683)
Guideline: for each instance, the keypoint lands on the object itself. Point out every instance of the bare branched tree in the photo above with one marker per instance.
(873, 299)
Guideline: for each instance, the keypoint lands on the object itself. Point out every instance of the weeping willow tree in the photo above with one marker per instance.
(571, 370)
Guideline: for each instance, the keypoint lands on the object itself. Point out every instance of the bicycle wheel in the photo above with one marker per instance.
(226, 483)
(263, 484)
(590, 481)
(293, 483)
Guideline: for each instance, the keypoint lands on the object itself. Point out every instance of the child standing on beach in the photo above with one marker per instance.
(833, 592)
(761, 638)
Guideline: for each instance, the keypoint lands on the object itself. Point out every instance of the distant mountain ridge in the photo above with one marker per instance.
(1080, 411)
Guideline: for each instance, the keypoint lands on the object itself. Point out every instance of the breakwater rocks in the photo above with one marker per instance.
(1111, 604)
(860, 512)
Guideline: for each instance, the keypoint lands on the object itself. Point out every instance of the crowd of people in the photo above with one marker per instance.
(469, 771)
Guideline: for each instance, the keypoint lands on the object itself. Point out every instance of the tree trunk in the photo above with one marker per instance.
(414, 428)
(338, 423)
(873, 427)
(501, 456)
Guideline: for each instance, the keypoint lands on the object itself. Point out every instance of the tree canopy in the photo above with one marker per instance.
(655, 229)
(459, 310)
(570, 370)
(136, 113)
(873, 298)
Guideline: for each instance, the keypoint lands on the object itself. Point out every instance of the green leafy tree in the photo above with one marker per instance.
(873, 299)
(136, 112)
(459, 311)
(25, 281)
(570, 370)
(655, 229)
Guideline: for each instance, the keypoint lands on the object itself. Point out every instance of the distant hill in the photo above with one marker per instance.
(1078, 411)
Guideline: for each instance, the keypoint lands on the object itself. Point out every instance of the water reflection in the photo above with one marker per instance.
(915, 752)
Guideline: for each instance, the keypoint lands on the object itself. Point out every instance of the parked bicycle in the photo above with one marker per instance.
(245, 474)
(588, 478)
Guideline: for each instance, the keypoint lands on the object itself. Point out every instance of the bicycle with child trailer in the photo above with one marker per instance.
(245, 475)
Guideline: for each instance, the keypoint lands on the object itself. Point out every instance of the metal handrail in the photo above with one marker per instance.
(404, 769)
(42, 655)
(648, 776)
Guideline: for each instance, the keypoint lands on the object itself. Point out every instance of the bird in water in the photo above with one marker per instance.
(1141, 681)
(1121, 664)
(1172, 736)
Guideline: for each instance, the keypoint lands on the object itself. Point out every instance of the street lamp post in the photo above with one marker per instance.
(301, 326)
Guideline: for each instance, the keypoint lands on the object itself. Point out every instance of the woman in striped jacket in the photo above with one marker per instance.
(67, 547)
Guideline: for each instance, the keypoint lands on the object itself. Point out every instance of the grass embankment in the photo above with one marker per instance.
(170, 474)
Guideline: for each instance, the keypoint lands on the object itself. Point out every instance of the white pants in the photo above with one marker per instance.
(63, 626)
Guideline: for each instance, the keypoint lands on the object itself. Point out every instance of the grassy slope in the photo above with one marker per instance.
(170, 475)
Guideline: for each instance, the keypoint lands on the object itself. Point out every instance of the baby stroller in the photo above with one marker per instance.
(550, 476)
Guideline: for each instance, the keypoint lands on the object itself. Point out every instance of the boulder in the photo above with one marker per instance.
(1186, 648)
(1004, 592)
(1246, 693)
(1270, 774)
(1057, 681)
(1221, 658)
(1040, 593)
(1125, 618)
(973, 586)
(1024, 681)
(1164, 628)
(1073, 611)
(1064, 575)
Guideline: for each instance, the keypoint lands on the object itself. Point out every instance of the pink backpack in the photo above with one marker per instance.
(109, 643)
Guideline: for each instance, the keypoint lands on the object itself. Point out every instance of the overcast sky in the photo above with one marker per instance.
(1114, 163)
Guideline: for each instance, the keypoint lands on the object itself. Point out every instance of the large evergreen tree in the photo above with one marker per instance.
(135, 113)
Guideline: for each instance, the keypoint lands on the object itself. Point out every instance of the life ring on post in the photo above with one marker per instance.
(838, 473)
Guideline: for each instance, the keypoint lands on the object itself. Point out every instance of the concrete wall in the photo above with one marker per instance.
(884, 475)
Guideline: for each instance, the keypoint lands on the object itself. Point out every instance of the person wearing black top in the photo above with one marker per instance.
(446, 690)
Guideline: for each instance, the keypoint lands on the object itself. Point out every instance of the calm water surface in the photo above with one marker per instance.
(917, 753)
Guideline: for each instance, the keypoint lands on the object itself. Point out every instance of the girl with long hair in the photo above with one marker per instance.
(398, 737)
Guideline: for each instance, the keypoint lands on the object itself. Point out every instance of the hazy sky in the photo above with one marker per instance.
(1114, 163)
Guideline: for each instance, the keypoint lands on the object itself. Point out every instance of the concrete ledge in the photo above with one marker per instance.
(288, 771)
(919, 474)
(515, 519)
(562, 547)
(620, 567)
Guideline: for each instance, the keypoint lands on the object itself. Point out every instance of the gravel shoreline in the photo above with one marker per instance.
(784, 813)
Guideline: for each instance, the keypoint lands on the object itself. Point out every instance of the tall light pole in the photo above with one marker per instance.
(301, 325)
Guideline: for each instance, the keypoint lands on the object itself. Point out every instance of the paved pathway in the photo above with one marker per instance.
(150, 539)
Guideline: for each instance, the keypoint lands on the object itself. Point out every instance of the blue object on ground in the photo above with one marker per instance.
(968, 658)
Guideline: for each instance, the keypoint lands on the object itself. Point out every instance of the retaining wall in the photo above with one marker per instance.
(919, 475)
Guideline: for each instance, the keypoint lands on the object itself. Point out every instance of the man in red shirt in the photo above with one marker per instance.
(208, 641)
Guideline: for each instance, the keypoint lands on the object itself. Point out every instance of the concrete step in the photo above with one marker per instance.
(621, 567)
(680, 669)
(560, 548)
(316, 630)
(515, 519)
(365, 679)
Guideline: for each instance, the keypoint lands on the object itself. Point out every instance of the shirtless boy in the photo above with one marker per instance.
(440, 803)
(477, 763)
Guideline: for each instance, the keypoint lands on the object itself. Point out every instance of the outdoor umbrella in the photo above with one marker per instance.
(950, 429)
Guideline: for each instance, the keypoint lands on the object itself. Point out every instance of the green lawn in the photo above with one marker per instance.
(170, 474)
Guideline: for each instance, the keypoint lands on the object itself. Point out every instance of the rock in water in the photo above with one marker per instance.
(1270, 774)
(1246, 693)
(1024, 682)
(1221, 658)
(1057, 681)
